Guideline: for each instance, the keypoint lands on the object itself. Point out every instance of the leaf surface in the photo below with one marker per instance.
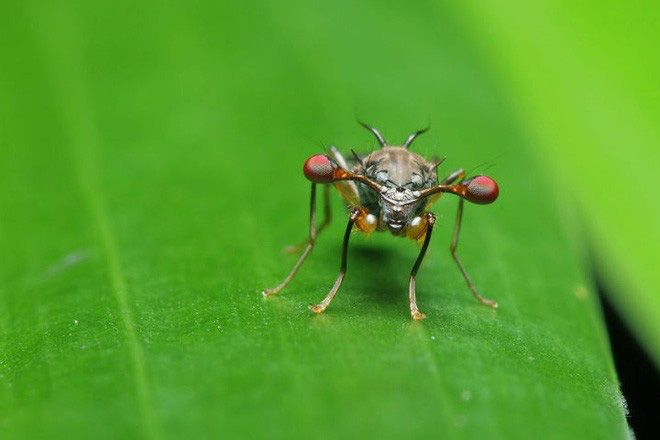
(150, 174)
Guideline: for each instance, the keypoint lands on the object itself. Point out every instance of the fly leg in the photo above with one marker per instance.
(310, 245)
(342, 271)
(327, 219)
(451, 178)
(414, 311)
(347, 188)
(454, 245)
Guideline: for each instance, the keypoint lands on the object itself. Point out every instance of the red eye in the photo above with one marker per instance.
(482, 190)
(319, 169)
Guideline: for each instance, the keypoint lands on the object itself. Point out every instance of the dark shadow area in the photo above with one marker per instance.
(378, 273)
(640, 380)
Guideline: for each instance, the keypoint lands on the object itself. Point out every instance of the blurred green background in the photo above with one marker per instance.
(150, 159)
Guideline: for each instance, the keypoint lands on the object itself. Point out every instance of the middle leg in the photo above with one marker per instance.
(308, 249)
(327, 219)
(454, 245)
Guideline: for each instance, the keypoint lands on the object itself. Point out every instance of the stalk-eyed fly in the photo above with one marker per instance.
(390, 189)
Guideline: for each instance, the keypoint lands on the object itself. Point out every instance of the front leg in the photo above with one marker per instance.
(355, 215)
(429, 218)
(459, 174)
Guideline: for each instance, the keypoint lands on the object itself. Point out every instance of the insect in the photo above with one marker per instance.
(390, 189)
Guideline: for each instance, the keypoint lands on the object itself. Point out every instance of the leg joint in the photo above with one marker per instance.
(355, 214)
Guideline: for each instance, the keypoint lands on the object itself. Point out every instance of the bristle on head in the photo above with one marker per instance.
(381, 139)
(412, 137)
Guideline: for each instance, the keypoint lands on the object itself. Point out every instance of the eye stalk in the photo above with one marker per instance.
(481, 190)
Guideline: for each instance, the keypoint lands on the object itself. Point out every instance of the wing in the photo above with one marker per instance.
(434, 198)
(347, 189)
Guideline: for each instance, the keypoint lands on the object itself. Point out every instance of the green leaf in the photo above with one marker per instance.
(150, 173)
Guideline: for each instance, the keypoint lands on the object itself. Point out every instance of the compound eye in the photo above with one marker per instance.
(319, 169)
(382, 176)
(481, 190)
(416, 180)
